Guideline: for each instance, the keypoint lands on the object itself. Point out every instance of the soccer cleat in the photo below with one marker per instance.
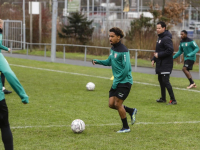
(161, 100)
(192, 86)
(172, 102)
(133, 118)
(124, 130)
(7, 92)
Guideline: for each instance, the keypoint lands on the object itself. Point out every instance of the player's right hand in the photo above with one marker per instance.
(9, 49)
(152, 63)
(25, 100)
(93, 62)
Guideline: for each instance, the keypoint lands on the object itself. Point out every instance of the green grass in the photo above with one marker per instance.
(57, 97)
(80, 56)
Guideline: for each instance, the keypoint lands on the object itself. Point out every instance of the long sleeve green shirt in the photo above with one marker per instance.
(1, 46)
(11, 77)
(119, 59)
(189, 48)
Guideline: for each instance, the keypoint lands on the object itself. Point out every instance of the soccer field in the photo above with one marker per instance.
(58, 95)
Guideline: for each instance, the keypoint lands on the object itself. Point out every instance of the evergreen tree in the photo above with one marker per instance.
(140, 25)
(140, 30)
(79, 28)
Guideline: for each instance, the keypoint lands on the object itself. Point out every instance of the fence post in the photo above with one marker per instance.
(45, 51)
(27, 49)
(11, 47)
(199, 66)
(85, 53)
(136, 53)
(64, 53)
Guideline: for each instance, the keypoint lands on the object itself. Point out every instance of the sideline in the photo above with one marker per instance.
(44, 69)
(112, 124)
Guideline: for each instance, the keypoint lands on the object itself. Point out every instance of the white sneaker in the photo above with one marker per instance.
(124, 130)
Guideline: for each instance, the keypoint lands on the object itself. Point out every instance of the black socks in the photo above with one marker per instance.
(191, 81)
(125, 123)
(128, 110)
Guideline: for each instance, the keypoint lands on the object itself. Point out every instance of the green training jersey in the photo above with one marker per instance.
(189, 48)
(1, 46)
(10, 76)
(119, 59)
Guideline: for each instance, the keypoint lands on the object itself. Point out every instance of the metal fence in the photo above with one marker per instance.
(85, 50)
(13, 31)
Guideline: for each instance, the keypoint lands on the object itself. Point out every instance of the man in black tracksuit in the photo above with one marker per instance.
(163, 57)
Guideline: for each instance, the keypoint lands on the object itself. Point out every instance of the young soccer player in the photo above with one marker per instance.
(119, 59)
(6, 133)
(2, 75)
(189, 48)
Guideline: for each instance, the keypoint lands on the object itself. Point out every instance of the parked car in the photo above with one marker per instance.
(195, 26)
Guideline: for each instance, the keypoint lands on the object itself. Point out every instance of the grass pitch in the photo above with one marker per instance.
(58, 95)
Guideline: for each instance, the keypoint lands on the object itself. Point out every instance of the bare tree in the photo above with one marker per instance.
(174, 11)
(171, 12)
(194, 3)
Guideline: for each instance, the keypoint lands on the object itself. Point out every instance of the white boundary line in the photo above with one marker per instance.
(43, 69)
(111, 124)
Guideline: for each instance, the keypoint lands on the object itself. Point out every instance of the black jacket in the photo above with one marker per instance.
(164, 48)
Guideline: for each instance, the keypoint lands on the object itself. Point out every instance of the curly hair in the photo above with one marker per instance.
(117, 31)
(184, 31)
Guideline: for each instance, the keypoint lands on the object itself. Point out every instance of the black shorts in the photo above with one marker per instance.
(188, 64)
(121, 92)
(3, 114)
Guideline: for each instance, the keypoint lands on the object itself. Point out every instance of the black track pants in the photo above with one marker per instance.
(6, 133)
(164, 83)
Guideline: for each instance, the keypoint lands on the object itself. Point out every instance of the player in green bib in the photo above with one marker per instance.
(119, 59)
(6, 133)
(189, 48)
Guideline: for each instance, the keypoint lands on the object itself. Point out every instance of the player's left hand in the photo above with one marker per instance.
(9, 49)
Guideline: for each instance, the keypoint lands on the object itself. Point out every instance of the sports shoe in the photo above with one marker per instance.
(161, 100)
(7, 92)
(172, 102)
(191, 86)
(124, 130)
(133, 116)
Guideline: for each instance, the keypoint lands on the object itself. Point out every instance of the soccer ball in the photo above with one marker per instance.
(78, 126)
(90, 86)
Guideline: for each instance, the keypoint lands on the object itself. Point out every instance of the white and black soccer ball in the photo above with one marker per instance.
(78, 126)
(90, 86)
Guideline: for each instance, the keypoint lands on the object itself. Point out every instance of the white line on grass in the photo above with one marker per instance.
(97, 77)
(111, 124)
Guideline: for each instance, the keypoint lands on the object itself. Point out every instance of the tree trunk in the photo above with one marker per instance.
(50, 5)
(163, 7)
